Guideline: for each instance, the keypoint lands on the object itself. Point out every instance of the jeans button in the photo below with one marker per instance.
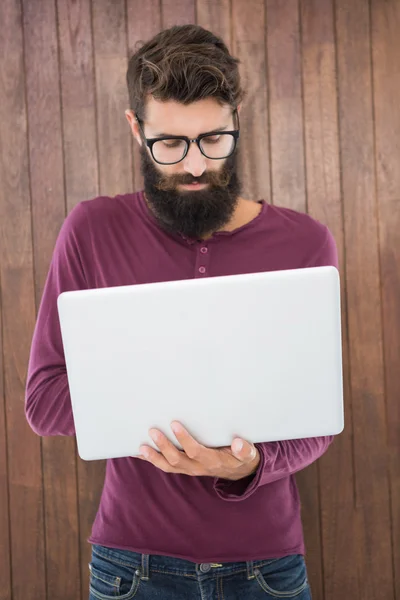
(205, 567)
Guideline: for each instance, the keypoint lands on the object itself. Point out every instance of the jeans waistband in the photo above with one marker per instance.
(177, 566)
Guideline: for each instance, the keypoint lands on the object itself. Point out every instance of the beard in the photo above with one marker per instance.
(193, 214)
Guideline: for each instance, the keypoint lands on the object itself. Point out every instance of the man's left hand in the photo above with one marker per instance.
(232, 462)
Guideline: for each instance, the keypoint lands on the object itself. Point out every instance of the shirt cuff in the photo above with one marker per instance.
(241, 488)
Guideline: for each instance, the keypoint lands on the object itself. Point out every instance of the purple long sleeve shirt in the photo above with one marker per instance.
(108, 242)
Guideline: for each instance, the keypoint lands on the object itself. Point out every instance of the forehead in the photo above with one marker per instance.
(185, 119)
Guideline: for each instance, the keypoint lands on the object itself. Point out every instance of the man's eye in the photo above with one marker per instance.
(173, 143)
(212, 139)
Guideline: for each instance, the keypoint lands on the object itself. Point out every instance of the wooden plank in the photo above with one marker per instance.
(285, 107)
(248, 44)
(111, 62)
(81, 178)
(5, 542)
(116, 176)
(390, 261)
(78, 101)
(386, 81)
(177, 12)
(332, 570)
(47, 193)
(216, 17)
(373, 558)
(288, 189)
(144, 22)
(386, 73)
(18, 313)
(308, 483)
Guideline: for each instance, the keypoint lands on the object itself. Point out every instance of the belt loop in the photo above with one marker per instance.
(250, 569)
(145, 567)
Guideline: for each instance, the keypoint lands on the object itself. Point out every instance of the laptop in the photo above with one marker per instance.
(256, 355)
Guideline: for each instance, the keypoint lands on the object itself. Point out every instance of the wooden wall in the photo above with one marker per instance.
(320, 133)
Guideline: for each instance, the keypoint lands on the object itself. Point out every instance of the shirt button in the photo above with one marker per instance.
(205, 567)
(202, 269)
(204, 250)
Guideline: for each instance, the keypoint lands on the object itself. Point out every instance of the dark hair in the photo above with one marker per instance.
(184, 63)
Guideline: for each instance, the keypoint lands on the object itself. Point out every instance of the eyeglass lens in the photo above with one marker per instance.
(213, 146)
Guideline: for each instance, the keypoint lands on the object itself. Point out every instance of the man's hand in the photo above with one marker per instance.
(233, 462)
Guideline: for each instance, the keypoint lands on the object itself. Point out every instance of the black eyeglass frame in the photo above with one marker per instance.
(151, 141)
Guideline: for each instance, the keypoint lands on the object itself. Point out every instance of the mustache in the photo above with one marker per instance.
(214, 179)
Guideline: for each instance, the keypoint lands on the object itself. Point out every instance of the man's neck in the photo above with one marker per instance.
(245, 211)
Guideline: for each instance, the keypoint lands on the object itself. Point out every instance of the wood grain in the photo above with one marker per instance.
(285, 105)
(373, 558)
(385, 26)
(390, 281)
(144, 22)
(5, 558)
(288, 189)
(111, 62)
(320, 131)
(333, 572)
(248, 44)
(78, 99)
(216, 17)
(177, 12)
(18, 318)
(386, 82)
(48, 212)
(81, 183)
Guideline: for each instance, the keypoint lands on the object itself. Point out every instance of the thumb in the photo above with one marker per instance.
(244, 451)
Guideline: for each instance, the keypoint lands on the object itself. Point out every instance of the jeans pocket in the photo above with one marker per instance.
(103, 584)
(110, 580)
(284, 578)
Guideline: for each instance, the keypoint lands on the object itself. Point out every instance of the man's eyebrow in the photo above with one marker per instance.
(174, 135)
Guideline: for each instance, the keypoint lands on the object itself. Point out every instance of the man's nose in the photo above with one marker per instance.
(194, 162)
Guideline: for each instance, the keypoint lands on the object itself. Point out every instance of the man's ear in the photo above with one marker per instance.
(131, 118)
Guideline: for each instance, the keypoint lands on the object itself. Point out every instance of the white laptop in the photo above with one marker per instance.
(257, 356)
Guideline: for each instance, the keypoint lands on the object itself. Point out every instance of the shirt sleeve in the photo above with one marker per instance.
(282, 459)
(48, 406)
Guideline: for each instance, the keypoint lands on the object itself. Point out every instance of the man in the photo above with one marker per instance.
(198, 523)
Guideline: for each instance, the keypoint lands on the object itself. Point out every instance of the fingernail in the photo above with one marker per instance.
(155, 436)
(176, 428)
(144, 452)
(238, 445)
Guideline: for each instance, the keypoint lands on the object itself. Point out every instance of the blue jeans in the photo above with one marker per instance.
(123, 574)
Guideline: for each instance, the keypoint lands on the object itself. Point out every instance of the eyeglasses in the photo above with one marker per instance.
(171, 149)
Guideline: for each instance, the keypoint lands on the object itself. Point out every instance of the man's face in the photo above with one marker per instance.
(197, 196)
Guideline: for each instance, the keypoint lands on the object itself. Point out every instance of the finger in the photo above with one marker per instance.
(157, 459)
(244, 451)
(191, 447)
(175, 457)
